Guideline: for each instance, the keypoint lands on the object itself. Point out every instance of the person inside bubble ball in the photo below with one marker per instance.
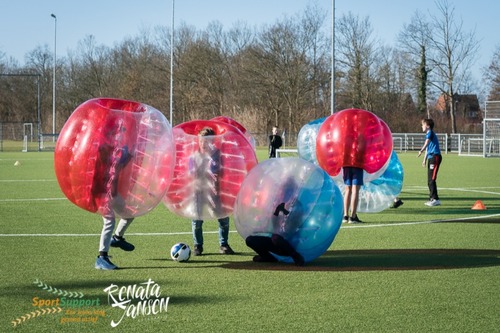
(206, 166)
(266, 245)
(109, 164)
(275, 142)
(353, 180)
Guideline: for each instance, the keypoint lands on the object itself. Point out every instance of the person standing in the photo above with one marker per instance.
(110, 163)
(353, 180)
(206, 164)
(275, 142)
(433, 159)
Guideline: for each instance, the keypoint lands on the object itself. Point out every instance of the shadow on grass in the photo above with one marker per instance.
(385, 260)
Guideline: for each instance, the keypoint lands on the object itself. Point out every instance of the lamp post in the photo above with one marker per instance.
(172, 67)
(332, 78)
(54, 81)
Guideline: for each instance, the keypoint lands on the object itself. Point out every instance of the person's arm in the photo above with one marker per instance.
(426, 143)
(279, 142)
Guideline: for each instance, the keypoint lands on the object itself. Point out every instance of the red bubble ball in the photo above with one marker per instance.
(115, 155)
(208, 172)
(353, 138)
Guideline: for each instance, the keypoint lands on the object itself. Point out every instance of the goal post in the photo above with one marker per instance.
(287, 153)
(491, 129)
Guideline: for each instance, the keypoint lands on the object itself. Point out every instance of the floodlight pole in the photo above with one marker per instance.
(172, 67)
(54, 81)
(38, 113)
(332, 83)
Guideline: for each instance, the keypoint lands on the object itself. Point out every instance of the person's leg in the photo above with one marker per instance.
(347, 201)
(357, 182)
(197, 228)
(429, 178)
(355, 200)
(118, 240)
(102, 261)
(281, 247)
(434, 165)
(262, 246)
(223, 230)
(123, 226)
(106, 234)
(224, 235)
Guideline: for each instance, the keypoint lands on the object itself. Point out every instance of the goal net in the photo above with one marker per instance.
(491, 129)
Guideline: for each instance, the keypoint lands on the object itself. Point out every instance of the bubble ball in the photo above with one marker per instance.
(310, 196)
(306, 140)
(354, 138)
(239, 126)
(379, 194)
(208, 172)
(115, 156)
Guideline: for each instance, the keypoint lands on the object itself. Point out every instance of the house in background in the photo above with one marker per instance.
(467, 110)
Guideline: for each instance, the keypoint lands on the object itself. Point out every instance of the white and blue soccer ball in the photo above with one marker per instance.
(180, 252)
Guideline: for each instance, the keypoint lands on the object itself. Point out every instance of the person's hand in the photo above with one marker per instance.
(423, 163)
(125, 157)
(419, 153)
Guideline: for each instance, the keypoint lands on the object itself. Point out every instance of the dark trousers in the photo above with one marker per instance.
(275, 244)
(433, 165)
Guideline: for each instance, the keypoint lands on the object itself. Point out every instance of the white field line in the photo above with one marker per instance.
(188, 233)
(28, 200)
(95, 235)
(25, 180)
(233, 231)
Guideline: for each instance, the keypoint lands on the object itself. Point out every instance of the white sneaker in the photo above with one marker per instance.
(433, 202)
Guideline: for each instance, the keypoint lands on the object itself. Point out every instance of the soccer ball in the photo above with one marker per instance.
(180, 252)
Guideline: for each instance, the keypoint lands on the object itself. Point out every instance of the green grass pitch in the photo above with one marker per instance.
(411, 269)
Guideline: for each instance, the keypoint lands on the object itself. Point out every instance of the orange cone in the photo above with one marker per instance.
(478, 205)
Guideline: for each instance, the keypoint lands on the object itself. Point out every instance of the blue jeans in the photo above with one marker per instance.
(197, 226)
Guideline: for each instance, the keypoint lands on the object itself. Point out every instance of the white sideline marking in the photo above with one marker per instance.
(233, 231)
(213, 232)
(35, 199)
(421, 222)
(457, 189)
(26, 180)
(95, 235)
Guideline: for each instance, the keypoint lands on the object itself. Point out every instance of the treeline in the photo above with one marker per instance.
(276, 74)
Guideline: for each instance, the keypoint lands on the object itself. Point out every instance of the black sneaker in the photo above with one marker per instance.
(122, 244)
(354, 220)
(198, 250)
(345, 219)
(226, 249)
(397, 203)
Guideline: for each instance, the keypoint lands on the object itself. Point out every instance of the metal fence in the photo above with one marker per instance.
(24, 137)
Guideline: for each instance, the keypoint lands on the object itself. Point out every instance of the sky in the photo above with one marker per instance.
(28, 24)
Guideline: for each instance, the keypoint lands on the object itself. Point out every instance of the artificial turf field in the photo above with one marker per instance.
(411, 269)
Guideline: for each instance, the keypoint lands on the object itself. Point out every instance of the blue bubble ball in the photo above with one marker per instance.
(313, 201)
(306, 140)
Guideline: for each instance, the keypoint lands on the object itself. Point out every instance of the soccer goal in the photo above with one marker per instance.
(491, 129)
(287, 153)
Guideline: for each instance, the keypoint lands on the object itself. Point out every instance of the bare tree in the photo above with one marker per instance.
(452, 51)
(414, 40)
(491, 75)
(356, 55)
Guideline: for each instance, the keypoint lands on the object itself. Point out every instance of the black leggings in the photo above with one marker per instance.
(433, 165)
